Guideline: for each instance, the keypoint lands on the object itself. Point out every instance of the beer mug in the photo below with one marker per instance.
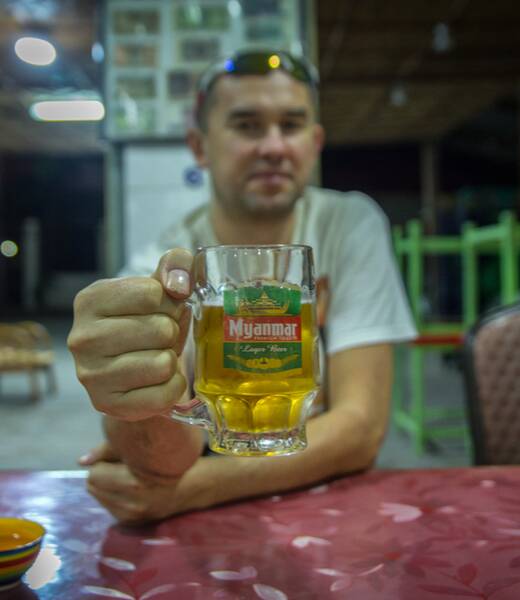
(256, 348)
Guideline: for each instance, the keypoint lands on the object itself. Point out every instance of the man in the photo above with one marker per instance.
(258, 136)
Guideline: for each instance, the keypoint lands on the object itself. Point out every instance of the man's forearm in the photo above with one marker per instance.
(340, 441)
(157, 449)
(155, 479)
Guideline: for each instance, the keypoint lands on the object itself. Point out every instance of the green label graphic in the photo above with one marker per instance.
(264, 300)
(262, 329)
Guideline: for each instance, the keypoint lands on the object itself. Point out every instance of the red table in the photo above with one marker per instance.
(407, 535)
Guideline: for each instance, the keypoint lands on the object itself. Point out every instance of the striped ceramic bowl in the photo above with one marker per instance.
(20, 542)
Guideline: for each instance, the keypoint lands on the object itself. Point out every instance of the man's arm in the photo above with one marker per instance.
(345, 439)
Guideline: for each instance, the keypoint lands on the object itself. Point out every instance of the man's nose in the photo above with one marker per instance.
(273, 144)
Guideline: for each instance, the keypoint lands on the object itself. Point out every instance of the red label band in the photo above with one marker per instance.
(262, 329)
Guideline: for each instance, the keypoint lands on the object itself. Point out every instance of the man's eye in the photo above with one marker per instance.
(291, 126)
(247, 126)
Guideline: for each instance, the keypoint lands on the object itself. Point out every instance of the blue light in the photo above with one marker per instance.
(229, 65)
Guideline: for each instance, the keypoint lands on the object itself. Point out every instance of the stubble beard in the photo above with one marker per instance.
(275, 205)
(263, 207)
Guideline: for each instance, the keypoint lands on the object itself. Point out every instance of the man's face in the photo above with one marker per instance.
(261, 143)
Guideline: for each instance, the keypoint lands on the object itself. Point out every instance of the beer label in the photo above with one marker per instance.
(262, 329)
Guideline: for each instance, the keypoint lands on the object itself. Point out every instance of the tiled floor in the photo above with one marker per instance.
(53, 432)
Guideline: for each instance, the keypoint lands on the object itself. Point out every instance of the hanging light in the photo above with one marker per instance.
(35, 51)
(398, 95)
(442, 40)
(67, 110)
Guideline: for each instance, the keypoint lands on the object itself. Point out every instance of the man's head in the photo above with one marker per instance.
(257, 131)
(252, 63)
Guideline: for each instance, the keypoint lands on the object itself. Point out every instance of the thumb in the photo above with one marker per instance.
(174, 273)
(103, 452)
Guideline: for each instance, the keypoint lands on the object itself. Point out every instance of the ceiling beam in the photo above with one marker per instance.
(422, 78)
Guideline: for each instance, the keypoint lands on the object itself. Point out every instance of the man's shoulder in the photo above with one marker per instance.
(350, 207)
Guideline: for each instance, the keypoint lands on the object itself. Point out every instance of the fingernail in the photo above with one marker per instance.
(86, 459)
(178, 281)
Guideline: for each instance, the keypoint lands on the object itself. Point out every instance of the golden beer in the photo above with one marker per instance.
(256, 348)
(257, 373)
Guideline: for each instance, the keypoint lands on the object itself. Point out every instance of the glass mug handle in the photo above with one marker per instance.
(194, 412)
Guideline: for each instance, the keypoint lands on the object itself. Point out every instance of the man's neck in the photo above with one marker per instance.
(251, 230)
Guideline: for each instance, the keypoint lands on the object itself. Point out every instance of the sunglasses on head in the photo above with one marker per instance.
(260, 63)
(257, 63)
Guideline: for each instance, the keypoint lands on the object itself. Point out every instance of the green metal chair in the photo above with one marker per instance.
(418, 417)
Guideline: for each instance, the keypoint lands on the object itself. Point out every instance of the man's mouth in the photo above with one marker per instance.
(270, 177)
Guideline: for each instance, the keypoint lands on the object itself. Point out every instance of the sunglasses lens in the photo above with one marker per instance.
(260, 63)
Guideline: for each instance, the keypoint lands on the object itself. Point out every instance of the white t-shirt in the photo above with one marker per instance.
(353, 258)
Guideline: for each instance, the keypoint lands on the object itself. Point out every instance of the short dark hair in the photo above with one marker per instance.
(252, 62)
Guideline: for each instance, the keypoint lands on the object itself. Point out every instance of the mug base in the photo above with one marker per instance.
(277, 443)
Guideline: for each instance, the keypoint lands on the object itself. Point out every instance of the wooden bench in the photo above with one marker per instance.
(26, 346)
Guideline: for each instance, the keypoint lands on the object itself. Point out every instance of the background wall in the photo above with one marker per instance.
(160, 185)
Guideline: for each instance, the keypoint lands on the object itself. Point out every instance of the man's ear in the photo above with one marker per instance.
(196, 141)
(319, 137)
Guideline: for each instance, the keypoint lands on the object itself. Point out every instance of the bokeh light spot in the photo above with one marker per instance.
(9, 249)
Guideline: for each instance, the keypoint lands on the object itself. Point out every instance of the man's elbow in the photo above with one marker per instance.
(361, 455)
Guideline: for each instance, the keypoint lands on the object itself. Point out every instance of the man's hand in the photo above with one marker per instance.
(134, 500)
(128, 498)
(127, 336)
